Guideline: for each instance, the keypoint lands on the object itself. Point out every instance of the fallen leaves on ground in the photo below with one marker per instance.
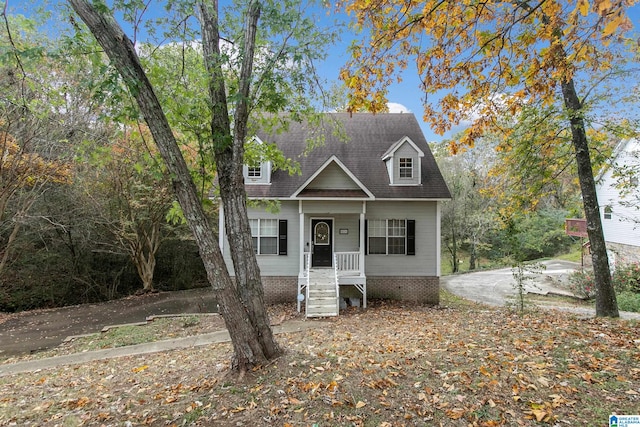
(390, 365)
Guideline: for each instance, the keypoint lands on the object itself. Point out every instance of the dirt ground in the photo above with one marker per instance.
(36, 330)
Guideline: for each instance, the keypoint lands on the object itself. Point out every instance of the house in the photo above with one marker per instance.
(619, 209)
(362, 220)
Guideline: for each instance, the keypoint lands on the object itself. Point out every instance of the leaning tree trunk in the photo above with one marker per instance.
(229, 155)
(244, 336)
(606, 305)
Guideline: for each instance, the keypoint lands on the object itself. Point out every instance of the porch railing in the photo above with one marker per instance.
(347, 262)
(307, 267)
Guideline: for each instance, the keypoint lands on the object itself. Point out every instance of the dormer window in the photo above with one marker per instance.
(406, 167)
(403, 161)
(254, 171)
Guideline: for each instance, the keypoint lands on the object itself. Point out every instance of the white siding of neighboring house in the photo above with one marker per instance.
(624, 225)
(425, 261)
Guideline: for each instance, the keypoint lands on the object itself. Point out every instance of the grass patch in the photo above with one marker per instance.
(160, 328)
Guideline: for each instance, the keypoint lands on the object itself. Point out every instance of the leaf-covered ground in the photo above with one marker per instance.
(391, 365)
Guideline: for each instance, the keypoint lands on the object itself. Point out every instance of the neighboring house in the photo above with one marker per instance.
(620, 212)
(364, 211)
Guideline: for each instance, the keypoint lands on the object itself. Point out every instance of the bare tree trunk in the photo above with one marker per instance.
(606, 304)
(244, 336)
(229, 154)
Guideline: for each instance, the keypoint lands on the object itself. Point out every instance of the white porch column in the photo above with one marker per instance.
(438, 236)
(221, 230)
(362, 230)
(301, 242)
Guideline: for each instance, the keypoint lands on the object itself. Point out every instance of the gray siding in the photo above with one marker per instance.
(348, 242)
(406, 151)
(265, 178)
(424, 262)
(277, 265)
(333, 177)
(326, 207)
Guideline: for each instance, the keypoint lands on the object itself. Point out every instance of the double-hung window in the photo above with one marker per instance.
(387, 236)
(406, 167)
(254, 171)
(264, 233)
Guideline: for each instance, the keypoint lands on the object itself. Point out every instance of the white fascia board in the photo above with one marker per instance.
(390, 152)
(345, 169)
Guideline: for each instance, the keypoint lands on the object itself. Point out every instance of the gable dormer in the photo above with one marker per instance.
(404, 162)
(258, 171)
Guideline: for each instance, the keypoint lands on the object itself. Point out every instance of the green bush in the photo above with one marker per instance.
(582, 284)
(629, 301)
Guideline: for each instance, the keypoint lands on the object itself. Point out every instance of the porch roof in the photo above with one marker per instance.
(321, 193)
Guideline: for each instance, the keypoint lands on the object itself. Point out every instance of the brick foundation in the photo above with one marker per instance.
(420, 289)
(280, 289)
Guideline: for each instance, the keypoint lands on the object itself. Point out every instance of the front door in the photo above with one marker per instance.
(321, 238)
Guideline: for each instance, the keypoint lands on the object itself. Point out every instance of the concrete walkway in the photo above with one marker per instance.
(153, 347)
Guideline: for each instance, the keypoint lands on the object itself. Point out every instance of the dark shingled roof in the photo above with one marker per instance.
(369, 137)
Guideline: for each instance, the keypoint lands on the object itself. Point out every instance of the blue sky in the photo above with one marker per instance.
(405, 96)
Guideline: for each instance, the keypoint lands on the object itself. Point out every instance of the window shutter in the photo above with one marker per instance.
(411, 237)
(366, 237)
(282, 237)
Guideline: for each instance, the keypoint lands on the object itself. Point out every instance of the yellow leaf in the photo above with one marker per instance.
(583, 6)
(611, 27)
(539, 414)
(140, 368)
(360, 404)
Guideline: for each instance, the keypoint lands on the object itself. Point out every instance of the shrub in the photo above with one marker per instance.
(627, 278)
(582, 284)
(629, 301)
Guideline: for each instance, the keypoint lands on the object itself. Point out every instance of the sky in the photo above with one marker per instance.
(403, 97)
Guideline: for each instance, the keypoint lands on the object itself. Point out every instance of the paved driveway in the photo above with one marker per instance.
(496, 287)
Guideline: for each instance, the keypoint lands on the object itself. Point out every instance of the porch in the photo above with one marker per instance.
(319, 287)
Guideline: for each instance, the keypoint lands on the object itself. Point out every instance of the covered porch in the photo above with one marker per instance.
(332, 249)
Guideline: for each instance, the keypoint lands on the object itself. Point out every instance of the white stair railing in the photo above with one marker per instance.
(307, 267)
(335, 270)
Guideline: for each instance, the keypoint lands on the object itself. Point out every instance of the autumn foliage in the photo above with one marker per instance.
(480, 60)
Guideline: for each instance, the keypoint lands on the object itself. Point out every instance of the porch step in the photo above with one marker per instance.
(323, 298)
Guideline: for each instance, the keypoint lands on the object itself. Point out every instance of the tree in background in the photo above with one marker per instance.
(496, 57)
(25, 175)
(130, 190)
(467, 217)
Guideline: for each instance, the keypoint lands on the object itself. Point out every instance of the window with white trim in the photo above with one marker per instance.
(607, 212)
(406, 167)
(254, 171)
(387, 236)
(264, 233)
